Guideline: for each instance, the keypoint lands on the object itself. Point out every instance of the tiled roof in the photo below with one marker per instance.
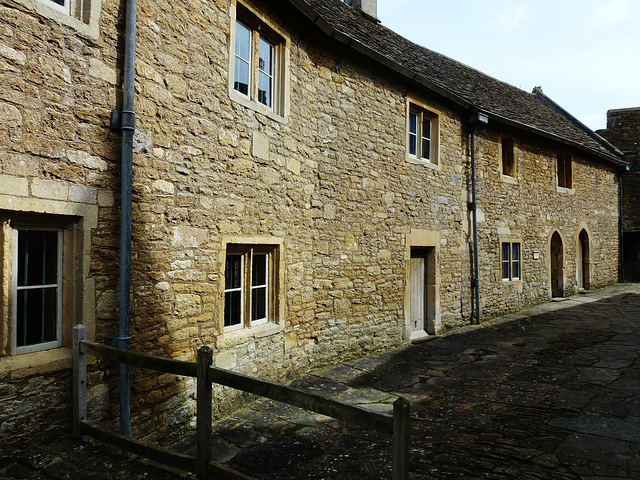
(462, 84)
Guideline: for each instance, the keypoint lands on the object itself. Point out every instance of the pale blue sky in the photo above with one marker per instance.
(585, 54)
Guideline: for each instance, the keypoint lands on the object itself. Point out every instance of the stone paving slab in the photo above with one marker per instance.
(550, 392)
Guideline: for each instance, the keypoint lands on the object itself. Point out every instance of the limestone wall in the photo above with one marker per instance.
(327, 184)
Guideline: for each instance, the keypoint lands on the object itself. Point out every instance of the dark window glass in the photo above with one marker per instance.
(233, 272)
(413, 133)
(38, 288)
(232, 308)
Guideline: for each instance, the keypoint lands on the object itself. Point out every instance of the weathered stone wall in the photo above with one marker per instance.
(623, 131)
(331, 184)
(531, 208)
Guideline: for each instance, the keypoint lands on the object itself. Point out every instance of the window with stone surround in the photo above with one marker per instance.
(258, 67)
(250, 285)
(81, 15)
(507, 156)
(422, 134)
(40, 300)
(511, 261)
(564, 170)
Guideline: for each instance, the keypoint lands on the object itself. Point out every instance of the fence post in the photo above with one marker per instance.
(401, 410)
(79, 380)
(203, 412)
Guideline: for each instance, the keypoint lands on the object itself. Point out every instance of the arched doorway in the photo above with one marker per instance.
(582, 260)
(557, 266)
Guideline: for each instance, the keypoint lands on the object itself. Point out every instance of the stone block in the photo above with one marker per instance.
(49, 189)
(14, 186)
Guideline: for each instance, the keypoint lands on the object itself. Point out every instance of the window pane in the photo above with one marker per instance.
(243, 59)
(265, 57)
(259, 269)
(426, 148)
(232, 308)
(37, 257)
(258, 303)
(243, 42)
(37, 314)
(515, 260)
(241, 81)
(505, 261)
(265, 89)
(233, 272)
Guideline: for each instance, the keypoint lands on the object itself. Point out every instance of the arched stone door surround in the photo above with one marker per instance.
(556, 264)
(583, 260)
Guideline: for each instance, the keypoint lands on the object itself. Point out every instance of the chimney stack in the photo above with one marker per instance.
(369, 7)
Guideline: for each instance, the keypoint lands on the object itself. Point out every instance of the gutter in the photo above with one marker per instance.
(125, 122)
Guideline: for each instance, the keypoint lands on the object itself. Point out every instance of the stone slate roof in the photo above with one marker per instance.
(462, 84)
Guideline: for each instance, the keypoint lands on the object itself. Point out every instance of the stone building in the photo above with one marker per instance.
(623, 131)
(303, 192)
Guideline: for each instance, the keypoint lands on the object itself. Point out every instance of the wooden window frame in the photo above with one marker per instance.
(16, 288)
(508, 159)
(247, 287)
(564, 170)
(416, 138)
(509, 262)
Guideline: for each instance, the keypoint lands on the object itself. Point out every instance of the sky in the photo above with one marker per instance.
(585, 54)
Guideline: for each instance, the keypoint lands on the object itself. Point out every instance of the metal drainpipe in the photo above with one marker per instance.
(128, 123)
(477, 118)
(621, 171)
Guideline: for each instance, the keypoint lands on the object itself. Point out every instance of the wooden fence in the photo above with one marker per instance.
(205, 373)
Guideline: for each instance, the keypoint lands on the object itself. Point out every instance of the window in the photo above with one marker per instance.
(510, 261)
(37, 289)
(257, 69)
(81, 15)
(508, 157)
(422, 135)
(564, 170)
(249, 286)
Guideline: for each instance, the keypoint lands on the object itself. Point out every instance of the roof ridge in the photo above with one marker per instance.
(538, 92)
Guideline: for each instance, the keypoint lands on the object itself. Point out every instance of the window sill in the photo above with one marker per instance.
(426, 163)
(36, 363)
(256, 107)
(239, 336)
(565, 190)
(508, 179)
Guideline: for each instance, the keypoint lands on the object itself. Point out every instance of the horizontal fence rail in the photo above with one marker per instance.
(397, 424)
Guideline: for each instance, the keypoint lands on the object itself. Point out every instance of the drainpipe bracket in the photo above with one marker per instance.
(122, 120)
(473, 206)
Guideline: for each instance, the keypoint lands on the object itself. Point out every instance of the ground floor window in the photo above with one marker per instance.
(510, 260)
(37, 288)
(249, 286)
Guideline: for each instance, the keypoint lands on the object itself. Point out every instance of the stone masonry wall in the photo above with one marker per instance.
(331, 183)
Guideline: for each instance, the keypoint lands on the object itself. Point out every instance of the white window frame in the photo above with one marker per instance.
(64, 8)
(423, 116)
(15, 288)
(247, 288)
(510, 261)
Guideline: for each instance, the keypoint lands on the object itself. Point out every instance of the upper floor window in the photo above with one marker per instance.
(510, 261)
(507, 155)
(564, 170)
(422, 134)
(81, 15)
(258, 67)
